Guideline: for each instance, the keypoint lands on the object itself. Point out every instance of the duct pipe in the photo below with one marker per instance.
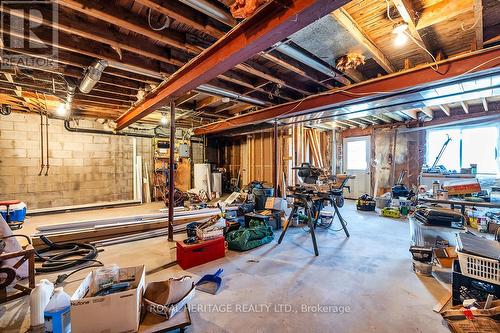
(293, 53)
(205, 88)
(92, 75)
(212, 11)
(68, 127)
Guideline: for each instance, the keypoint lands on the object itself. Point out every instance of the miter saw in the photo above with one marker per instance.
(317, 187)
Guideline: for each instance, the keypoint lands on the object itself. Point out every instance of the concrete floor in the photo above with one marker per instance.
(366, 280)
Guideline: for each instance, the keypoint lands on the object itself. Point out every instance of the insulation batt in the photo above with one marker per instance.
(245, 8)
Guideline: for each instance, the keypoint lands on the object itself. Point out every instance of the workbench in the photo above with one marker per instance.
(461, 203)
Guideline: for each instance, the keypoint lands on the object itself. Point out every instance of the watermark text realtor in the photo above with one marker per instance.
(28, 35)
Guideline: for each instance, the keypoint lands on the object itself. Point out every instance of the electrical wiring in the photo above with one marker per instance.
(165, 25)
(427, 51)
(343, 90)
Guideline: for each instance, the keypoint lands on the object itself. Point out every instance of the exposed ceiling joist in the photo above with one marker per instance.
(350, 24)
(428, 112)
(409, 15)
(394, 116)
(443, 11)
(458, 66)
(108, 12)
(383, 118)
(183, 14)
(464, 106)
(445, 109)
(485, 104)
(272, 23)
(478, 21)
(411, 113)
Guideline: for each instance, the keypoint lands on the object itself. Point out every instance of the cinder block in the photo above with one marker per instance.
(74, 146)
(13, 135)
(6, 125)
(73, 162)
(27, 127)
(100, 154)
(12, 152)
(101, 139)
(7, 143)
(65, 154)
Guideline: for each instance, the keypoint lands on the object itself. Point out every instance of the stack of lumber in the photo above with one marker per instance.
(110, 228)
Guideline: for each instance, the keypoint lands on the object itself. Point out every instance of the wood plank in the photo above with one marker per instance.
(409, 15)
(270, 24)
(478, 21)
(350, 24)
(443, 11)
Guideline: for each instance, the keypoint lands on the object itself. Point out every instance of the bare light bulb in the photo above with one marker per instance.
(400, 39)
(164, 120)
(400, 31)
(62, 109)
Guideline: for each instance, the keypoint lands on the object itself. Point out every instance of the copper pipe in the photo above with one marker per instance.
(41, 143)
(47, 143)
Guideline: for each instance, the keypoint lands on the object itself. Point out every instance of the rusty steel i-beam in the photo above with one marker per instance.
(448, 69)
(270, 24)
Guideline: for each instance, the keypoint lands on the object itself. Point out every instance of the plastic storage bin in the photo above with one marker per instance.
(205, 251)
(480, 268)
(17, 212)
(465, 287)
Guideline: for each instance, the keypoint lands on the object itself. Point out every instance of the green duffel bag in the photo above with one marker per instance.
(245, 239)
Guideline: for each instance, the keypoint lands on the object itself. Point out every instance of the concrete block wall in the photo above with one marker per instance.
(84, 168)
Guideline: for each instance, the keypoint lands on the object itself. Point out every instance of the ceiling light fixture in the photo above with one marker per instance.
(400, 31)
(62, 109)
(225, 100)
(163, 119)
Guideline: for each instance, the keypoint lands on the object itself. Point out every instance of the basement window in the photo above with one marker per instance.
(468, 145)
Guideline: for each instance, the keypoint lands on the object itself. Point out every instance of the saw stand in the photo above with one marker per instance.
(307, 201)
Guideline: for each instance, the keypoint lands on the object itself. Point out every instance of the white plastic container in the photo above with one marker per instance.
(57, 313)
(484, 269)
(39, 298)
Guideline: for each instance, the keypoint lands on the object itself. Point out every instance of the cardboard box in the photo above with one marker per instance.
(459, 187)
(445, 256)
(275, 203)
(118, 312)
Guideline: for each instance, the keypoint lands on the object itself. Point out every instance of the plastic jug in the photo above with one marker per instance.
(57, 313)
(39, 298)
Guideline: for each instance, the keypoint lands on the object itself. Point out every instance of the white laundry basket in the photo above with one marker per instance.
(480, 268)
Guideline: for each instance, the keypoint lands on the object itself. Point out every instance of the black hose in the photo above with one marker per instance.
(57, 254)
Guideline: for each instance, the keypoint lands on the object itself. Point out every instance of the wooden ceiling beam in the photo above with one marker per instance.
(261, 71)
(239, 109)
(428, 112)
(186, 98)
(470, 64)
(443, 11)
(183, 14)
(355, 30)
(411, 113)
(409, 15)
(294, 69)
(98, 32)
(383, 118)
(464, 106)
(270, 24)
(207, 101)
(445, 109)
(108, 12)
(478, 21)
(485, 104)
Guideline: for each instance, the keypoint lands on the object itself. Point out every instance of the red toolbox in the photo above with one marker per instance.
(202, 252)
